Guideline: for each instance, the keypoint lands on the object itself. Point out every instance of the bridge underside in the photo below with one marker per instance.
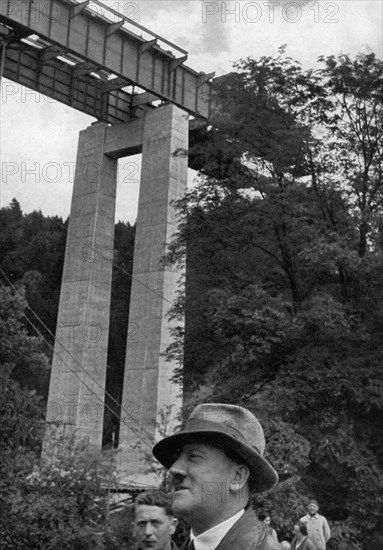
(97, 61)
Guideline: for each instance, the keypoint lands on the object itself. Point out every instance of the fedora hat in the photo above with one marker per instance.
(235, 428)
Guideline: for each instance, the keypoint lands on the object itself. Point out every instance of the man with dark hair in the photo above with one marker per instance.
(215, 463)
(317, 527)
(154, 522)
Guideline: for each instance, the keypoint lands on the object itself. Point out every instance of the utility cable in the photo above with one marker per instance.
(134, 430)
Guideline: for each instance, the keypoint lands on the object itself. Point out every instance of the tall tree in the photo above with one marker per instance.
(354, 131)
(281, 276)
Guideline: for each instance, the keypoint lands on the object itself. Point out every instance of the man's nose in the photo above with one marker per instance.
(178, 469)
(149, 529)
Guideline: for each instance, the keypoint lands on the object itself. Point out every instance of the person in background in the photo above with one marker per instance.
(154, 522)
(267, 521)
(317, 527)
(301, 540)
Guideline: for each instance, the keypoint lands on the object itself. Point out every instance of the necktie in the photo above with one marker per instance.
(191, 546)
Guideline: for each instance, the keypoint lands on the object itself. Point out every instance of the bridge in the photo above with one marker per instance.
(144, 97)
(96, 60)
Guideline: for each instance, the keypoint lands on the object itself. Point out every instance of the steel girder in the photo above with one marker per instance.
(96, 61)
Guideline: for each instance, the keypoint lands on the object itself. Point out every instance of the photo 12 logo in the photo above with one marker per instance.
(55, 172)
(254, 12)
(37, 11)
(13, 91)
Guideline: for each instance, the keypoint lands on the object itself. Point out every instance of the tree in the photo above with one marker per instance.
(60, 504)
(33, 249)
(355, 131)
(283, 284)
(21, 408)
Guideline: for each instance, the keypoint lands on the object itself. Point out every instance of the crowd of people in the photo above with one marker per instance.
(215, 463)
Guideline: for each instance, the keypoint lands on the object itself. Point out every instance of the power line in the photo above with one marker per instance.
(137, 433)
(130, 275)
(114, 264)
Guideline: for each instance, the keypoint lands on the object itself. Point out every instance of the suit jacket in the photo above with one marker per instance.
(173, 546)
(248, 533)
(307, 544)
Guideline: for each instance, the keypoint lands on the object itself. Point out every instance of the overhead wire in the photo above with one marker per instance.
(119, 417)
(133, 278)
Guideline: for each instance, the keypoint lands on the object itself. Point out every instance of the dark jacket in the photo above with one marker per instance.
(248, 533)
(307, 544)
(174, 546)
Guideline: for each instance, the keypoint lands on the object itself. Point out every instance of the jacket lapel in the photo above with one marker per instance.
(247, 534)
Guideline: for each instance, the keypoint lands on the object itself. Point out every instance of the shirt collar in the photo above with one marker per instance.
(210, 539)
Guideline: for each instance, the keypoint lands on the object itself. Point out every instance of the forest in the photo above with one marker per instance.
(282, 241)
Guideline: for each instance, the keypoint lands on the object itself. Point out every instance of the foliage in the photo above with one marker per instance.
(21, 407)
(56, 507)
(283, 302)
(32, 249)
(354, 130)
(283, 250)
(32, 256)
(60, 504)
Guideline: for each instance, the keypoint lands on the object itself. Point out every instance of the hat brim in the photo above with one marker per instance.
(264, 476)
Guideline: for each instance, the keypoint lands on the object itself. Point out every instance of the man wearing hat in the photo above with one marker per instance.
(317, 527)
(215, 462)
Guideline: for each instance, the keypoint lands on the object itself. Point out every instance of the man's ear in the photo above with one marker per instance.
(242, 474)
(173, 525)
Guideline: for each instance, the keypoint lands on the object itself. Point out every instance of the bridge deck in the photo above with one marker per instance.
(96, 60)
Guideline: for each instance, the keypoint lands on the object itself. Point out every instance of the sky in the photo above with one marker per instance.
(38, 136)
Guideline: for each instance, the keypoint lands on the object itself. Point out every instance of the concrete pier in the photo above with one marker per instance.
(150, 400)
(77, 386)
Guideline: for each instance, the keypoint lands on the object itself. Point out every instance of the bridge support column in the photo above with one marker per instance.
(77, 387)
(150, 401)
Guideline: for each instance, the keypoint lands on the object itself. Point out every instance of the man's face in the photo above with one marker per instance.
(153, 528)
(202, 476)
(312, 508)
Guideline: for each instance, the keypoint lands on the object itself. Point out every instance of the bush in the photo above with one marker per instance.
(61, 506)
